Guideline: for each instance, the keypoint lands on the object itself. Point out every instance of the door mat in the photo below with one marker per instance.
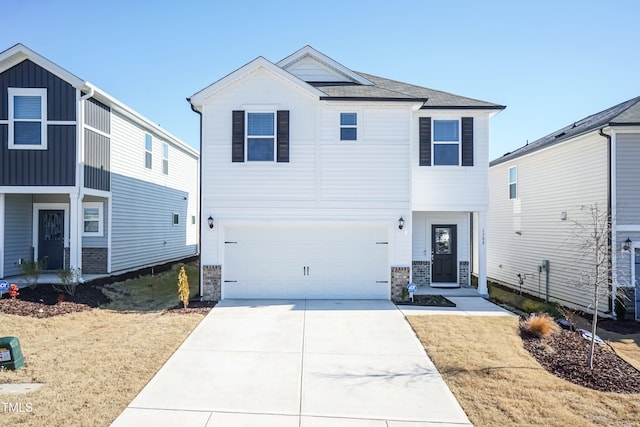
(428, 301)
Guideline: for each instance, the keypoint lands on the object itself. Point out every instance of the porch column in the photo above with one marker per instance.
(1, 234)
(482, 253)
(75, 233)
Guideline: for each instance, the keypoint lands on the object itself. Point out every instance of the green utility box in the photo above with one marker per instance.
(10, 353)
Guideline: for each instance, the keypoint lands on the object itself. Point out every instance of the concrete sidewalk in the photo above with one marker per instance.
(465, 306)
(298, 363)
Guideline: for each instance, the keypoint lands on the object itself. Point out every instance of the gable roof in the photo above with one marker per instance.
(339, 83)
(19, 52)
(624, 114)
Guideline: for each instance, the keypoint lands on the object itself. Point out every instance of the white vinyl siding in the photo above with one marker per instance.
(628, 179)
(522, 233)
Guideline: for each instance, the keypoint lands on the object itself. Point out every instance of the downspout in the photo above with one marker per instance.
(609, 209)
(199, 199)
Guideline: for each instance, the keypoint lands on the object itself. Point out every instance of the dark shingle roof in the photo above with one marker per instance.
(626, 113)
(386, 89)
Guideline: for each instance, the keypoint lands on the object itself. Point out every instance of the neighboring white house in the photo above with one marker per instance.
(85, 181)
(535, 199)
(322, 182)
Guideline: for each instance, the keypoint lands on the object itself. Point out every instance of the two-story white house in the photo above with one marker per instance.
(322, 182)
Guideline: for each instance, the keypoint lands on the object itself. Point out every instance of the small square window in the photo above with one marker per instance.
(176, 219)
(92, 219)
(348, 126)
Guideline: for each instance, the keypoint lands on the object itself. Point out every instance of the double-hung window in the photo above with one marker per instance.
(446, 142)
(348, 126)
(27, 118)
(513, 182)
(148, 151)
(165, 158)
(93, 219)
(261, 137)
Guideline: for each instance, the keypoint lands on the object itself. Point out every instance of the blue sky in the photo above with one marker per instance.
(550, 62)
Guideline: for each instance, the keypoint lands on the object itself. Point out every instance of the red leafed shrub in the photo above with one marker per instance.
(13, 290)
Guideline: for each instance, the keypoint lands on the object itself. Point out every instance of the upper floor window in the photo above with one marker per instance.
(261, 137)
(513, 182)
(148, 151)
(446, 142)
(348, 126)
(165, 158)
(27, 118)
(93, 219)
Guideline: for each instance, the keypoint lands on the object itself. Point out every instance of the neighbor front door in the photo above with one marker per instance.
(444, 256)
(51, 238)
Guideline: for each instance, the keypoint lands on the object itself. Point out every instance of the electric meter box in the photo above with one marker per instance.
(10, 353)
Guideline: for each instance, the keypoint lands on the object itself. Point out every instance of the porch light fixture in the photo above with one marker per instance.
(210, 221)
(627, 244)
(401, 223)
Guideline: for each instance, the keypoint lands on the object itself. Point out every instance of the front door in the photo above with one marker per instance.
(51, 238)
(444, 256)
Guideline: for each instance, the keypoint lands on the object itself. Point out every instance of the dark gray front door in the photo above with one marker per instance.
(51, 238)
(444, 256)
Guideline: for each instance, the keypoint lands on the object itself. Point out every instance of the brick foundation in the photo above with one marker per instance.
(463, 274)
(211, 282)
(421, 273)
(94, 260)
(399, 280)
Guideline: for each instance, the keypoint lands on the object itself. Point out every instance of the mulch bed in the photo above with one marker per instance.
(565, 353)
(43, 302)
(429, 301)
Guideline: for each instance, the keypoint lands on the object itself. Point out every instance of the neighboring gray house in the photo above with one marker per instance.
(85, 181)
(537, 190)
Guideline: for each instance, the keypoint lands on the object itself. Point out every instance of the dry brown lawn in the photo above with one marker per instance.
(498, 383)
(92, 363)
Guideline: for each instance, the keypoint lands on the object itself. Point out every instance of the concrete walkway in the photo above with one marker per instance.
(298, 363)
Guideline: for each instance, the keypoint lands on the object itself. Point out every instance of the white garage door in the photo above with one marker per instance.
(306, 262)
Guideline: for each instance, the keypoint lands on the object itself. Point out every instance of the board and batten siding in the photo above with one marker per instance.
(145, 200)
(521, 233)
(97, 161)
(18, 237)
(452, 188)
(628, 179)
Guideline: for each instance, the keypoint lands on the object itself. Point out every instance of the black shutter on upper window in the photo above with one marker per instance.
(283, 136)
(424, 130)
(237, 137)
(467, 141)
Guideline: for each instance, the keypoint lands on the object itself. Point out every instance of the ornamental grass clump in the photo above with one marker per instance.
(541, 325)
(183, 287)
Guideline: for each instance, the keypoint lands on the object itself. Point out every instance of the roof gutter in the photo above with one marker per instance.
(612, 287)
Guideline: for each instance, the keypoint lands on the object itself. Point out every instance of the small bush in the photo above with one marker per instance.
(13, 291)
(183, 287)
(541, 325)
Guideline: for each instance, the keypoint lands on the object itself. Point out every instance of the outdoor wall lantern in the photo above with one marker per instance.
(401, 223)
(210, 221)
(627, 244)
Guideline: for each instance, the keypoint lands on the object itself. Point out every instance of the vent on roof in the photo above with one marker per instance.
(560, 134)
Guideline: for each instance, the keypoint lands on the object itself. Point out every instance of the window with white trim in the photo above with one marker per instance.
(165, 158)
(261, 137)
(348, 126)
(446, 142)
(148, 151)
(175, 218)
(513, 182)
(27, 118)
(92, 216)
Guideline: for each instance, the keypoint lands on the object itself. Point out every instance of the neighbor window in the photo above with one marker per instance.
(260, 137)
(193, 219)
(165, 158)
(446, 142)
(513, 182)
(27, 118)
(348, 126)
(92, 217)
(176, 219)
(148, 151)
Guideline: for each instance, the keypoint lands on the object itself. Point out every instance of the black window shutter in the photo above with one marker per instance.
(424, 130)
(237, 137)
(283, 136)
(467, 141)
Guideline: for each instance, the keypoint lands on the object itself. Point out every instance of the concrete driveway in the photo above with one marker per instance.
(309, 363)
